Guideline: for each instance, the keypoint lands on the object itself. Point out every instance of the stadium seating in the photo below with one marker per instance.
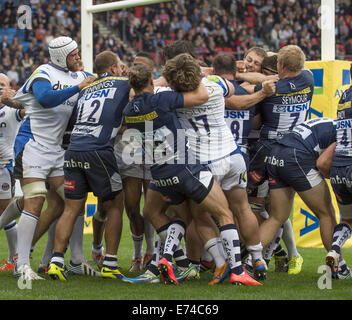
(236, 18)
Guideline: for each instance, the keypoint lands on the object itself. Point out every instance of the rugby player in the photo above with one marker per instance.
(135, 180)
(279, 113)
(48, 97)
(291, 166)
(11, 120)
(190, 181)
(336, 163)
(90, 164)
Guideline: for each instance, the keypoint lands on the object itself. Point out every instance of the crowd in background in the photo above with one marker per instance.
(212, 25)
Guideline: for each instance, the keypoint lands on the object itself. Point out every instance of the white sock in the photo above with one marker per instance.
(149, 232)
(212, 248)
(273, 245)
(26, 228)
(110, 261)
(256, 251)
(138, 245)
(12, 212)
(11, 236)
(76, 241)
(289, 239)
(175, 233)
(50, 243)
(231, 243)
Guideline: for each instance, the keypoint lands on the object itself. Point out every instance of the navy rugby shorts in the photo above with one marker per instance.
(91, 171)
(290, 167)
(193, 182)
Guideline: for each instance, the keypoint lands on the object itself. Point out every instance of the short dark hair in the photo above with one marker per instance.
(145, 54)
(224, 64)
(177, 47)
(270, 64)
(139, 77)
(104, 61)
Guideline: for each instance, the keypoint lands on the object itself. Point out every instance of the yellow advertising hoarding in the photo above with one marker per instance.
(331, 78)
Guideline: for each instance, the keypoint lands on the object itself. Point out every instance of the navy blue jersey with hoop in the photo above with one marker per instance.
(162, 137)
(288, 107)
(240, 121)
(312, 136)
(98, 116)
(343, 151)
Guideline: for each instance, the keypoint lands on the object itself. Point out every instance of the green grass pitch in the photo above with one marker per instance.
(278, 286)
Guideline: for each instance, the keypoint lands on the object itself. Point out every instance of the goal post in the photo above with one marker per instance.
(87, 11)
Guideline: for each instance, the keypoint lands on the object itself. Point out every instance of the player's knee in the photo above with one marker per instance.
(100, 216)
(34, 190)
(61, 192)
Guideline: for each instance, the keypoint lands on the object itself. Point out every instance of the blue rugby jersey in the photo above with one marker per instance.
(312, 136)
(240, 121)
(163, 139)
(343, 151)
(288, 107)
(98, 114)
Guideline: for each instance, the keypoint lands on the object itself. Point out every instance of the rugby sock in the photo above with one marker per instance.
(97, 248)
(11, 236)
(12, 212)
(342, 265)
(256, 251)
(180, 257)
(138, 245)
(25, 233)
(273, 245)
(58, 259)
(175, 233)
(289, 239)
(110, 261)
(50, 243)
(162, 231)
(342, 232)
(149, 232)
(158, 251)
(231, 243)
(280, 251)
(212, 247)
(76, 241)
(196, 264)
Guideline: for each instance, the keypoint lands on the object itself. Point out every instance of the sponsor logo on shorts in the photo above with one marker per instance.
(167, 182)
(76, 164)
(343, 180)
(274, 161)
(255, 176)
(272, 181)
(5, 186)
(69, 185)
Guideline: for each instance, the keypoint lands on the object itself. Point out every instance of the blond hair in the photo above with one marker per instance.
(292, 58)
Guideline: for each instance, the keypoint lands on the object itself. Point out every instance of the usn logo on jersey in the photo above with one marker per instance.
(232, 114)
(279, 108)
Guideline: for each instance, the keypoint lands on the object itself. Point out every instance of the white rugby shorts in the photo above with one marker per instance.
(38, 161)
(230, 172)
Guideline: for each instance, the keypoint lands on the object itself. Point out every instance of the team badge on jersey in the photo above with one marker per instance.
(5, 186)
(74, 75)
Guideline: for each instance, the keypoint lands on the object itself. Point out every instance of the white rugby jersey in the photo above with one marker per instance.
(209, 136)
(10, 121)
(48, 125)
